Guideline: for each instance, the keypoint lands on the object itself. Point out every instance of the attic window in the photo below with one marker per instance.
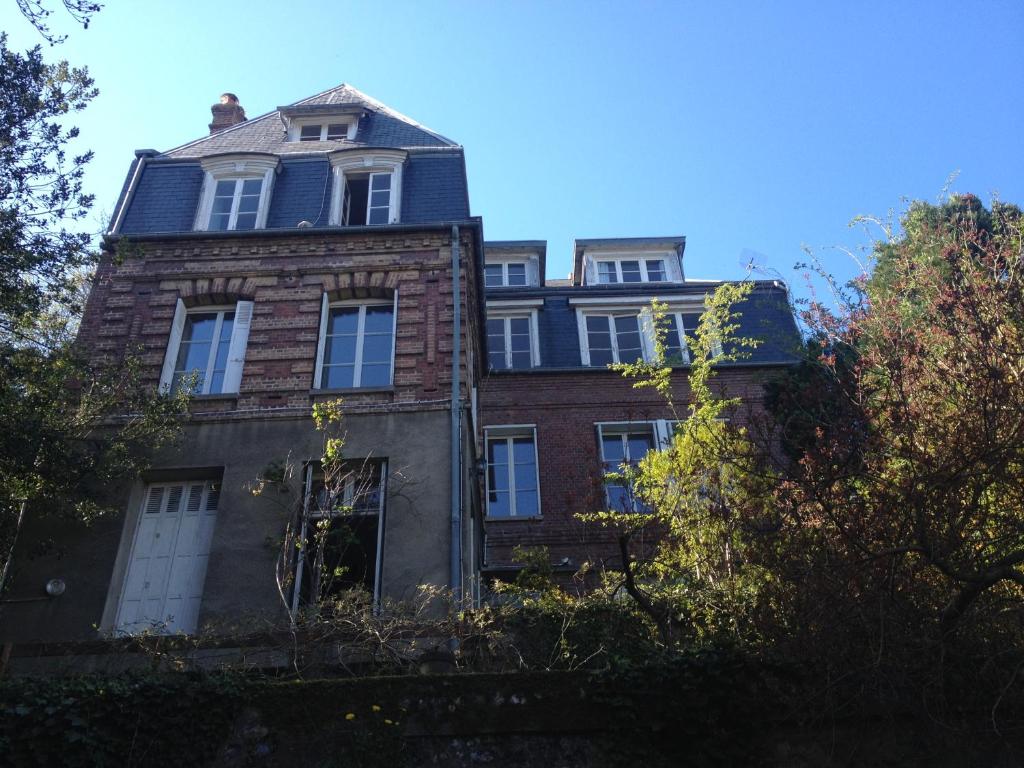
(367, 188)
(324, 131)
(631, 271)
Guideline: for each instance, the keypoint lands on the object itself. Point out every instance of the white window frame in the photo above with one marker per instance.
(325, 308)
(662, 432)
(677, 314)
(509, 432)
(358, 162)
(532, 271)
(296, 124)
(641, 260)
(643, 315)
(669, 259)
(238, 168)
(236, 347)
(505, 315)
(641, 306)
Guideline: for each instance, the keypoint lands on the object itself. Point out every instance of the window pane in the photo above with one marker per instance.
(225, 188)
(380, 199)
(516, 274)
(618, 498)
(377, 348)
(606, 272)
(526, 503)
(310, 133)
(337, 131)
(519, 326)
(492, 275)
(219, 222)
(599, 340)
(498, 504)
(497, 452)
(375, 375)
(245, 221)
(199, 327)
(338, 376)
(343, 320)
(378, 216)
(496, 359)
(627, 335)
(655, 270)
(522, 360)
(379, 319)
(252, 186)
(612, 451)
(631, 271)
(222, 204)
(522, 452)
(380, 181)
(340, 349)
(673, 348)
(638, 445)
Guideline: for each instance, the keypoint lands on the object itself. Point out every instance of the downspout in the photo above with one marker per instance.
(456, 436)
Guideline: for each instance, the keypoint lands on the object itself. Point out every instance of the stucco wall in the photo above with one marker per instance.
(240, 590)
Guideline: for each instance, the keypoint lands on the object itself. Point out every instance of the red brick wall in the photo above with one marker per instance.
(565, 408)
(132, 304)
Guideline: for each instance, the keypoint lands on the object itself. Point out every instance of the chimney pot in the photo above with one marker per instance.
(226, 113)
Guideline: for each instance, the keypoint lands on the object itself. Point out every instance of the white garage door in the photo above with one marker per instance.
(164, 584)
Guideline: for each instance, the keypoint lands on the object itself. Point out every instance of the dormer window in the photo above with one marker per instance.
(329, 131)
(236, 192)
(630, 271)
(505, 274)
(367, 188)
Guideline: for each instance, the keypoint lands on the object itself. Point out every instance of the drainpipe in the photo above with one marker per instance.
(456, 436)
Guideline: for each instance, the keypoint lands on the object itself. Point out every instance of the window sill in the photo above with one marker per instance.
(514, 518)
(225, 396)
(351, 391)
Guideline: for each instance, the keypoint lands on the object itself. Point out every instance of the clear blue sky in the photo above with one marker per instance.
(747, 126)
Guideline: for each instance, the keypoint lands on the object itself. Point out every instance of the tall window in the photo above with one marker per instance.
(510, 342)
(341, 533)
(681, 332)
(235, 204)
(622, 448)
(206, 349)
(367, 187)
(367, 199)
(512, 484)
(356, 346)
(614, 338)
(236, 192)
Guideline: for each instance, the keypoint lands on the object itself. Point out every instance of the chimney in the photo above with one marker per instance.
(227, 113)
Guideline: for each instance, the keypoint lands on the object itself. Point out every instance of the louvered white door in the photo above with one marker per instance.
(164, 584)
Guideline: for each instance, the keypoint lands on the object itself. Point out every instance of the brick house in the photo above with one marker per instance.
(549, 391)
(327, 250)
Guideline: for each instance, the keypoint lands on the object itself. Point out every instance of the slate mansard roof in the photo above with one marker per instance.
(765, 315)
(166, 193)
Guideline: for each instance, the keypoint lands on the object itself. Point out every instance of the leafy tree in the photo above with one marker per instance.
(69, 425)
(682, 537)
(910, 446)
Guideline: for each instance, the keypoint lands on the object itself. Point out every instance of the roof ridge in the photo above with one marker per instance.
(382, 107)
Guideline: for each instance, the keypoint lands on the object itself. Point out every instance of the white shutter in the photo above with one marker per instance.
(324, 309)
(589, 271)
(236, 349)
(171, 356)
